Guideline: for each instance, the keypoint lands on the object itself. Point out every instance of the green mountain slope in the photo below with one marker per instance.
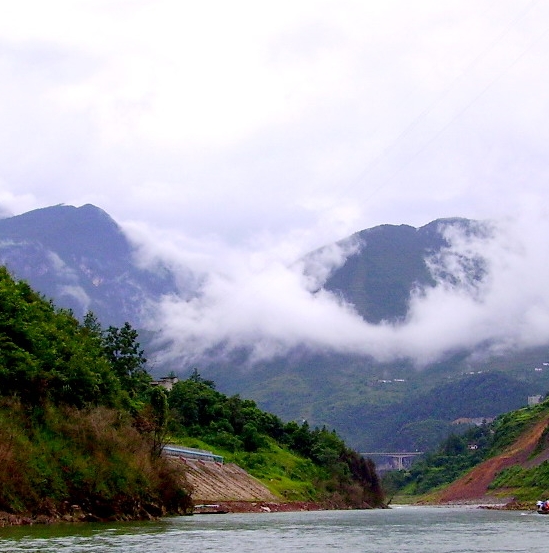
(81, 258)
(378, 279)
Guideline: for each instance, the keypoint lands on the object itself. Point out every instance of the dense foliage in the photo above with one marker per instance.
(45, 355)
(70, 397)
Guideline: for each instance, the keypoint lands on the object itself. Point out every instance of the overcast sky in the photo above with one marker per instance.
(235, 137)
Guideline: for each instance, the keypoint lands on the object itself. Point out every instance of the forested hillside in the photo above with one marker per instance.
(82, 429)
(70, 398)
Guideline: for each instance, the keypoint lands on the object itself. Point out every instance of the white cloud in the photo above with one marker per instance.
(272, 308)
(11, 204)
(403, 112)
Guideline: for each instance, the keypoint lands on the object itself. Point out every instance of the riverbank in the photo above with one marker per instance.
(74, 514)
(268, 506)
(10, 519)
(222, 507)
(489, 502)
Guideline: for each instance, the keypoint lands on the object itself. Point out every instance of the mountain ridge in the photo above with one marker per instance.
(390, 263)
(81, 258)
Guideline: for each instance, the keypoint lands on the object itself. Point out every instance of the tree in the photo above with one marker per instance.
(454, 445)
(251, 438)
(127, 359)
(92, 325)
(197, 379)
(159, 418)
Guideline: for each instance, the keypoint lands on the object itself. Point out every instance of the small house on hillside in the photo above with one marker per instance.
(166, 382)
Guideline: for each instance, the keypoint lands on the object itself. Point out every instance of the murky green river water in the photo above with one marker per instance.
(401, 529)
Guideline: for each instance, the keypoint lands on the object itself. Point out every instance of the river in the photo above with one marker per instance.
(401, 529)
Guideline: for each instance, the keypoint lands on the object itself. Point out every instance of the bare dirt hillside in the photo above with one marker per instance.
(215, 482)
(474, 485)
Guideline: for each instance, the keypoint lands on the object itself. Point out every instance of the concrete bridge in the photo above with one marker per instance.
(395, 458)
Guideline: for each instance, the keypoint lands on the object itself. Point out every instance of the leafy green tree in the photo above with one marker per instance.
(302, 440)
(197, 379)
(454, 445)
(92, 325)
(127, 358)
(46, 355)
(251, 437)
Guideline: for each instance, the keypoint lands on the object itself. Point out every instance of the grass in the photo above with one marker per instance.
(93, 458)
(525, 484)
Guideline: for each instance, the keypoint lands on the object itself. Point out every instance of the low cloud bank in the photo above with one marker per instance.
(491, 292)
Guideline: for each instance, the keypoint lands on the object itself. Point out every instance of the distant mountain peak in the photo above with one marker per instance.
(81, 258)
(378, 276)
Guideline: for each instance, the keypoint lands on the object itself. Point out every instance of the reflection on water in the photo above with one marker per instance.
(402, 529)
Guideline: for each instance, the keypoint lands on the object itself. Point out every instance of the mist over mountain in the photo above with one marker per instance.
(362, 334)
(386, 265)
(365, 335)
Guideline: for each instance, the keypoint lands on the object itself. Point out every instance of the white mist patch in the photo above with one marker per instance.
(77, 293)
(507, 306)
(270, 310)
(491, 289)
(319, 265)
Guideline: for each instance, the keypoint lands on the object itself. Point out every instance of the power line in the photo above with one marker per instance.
(427, 111)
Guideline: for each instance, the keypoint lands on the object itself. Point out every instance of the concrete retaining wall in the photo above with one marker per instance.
(214, 482)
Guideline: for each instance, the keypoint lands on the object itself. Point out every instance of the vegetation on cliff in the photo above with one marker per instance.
(82, 429)
(70, 396)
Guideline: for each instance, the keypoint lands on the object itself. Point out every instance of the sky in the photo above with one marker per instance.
(232, 138)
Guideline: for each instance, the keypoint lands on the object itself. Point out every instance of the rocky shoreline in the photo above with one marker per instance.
(75, 513)
(486, 502)
(9, 519)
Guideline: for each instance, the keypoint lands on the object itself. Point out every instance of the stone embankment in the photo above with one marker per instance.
(215, 482)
